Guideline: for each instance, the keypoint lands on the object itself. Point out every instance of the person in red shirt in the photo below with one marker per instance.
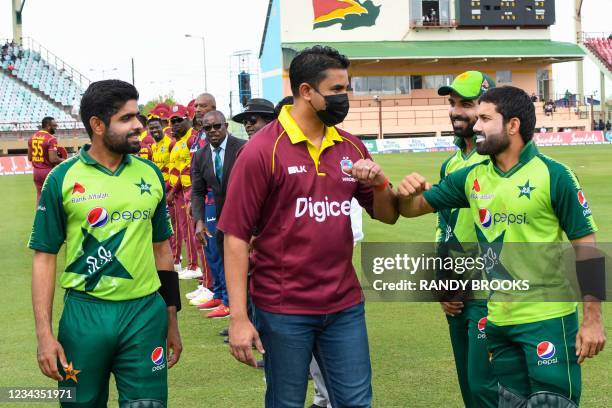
(294, 183)
(42, 153)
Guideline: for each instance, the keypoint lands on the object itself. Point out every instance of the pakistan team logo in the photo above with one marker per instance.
(143, 186)
(525, 191)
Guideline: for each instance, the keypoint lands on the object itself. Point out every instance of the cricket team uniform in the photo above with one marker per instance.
(538, 200)
(305, 301)
(40, 144)
(180, 183)
(113, 321)
(161, 157)
(457, 236)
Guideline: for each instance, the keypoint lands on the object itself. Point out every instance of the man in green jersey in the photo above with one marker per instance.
(524, 196)
(466, 318)
(122, 293)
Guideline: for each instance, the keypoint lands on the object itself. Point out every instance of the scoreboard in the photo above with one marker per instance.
(478, 13)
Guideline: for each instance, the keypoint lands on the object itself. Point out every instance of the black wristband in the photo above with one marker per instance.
(169, 289)
(591, 274)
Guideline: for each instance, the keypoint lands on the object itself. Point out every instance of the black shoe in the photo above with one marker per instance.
(224, 333)
(226, 340)
(260, 364)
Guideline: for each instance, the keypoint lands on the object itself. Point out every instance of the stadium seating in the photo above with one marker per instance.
(18, 104)
(602, 48)
(35, 71)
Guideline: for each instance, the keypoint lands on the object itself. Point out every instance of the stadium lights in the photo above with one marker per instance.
(204, 58)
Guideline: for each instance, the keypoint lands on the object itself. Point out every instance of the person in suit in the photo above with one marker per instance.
(210, 172)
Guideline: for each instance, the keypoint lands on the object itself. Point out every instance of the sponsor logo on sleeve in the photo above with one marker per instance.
(584, 203)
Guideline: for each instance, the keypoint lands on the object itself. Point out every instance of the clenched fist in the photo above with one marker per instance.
(412, 185)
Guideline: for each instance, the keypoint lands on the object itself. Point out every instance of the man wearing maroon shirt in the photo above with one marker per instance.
(294, 183)
(42, 153)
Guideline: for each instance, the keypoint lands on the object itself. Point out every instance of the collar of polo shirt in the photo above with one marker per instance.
(297, 136)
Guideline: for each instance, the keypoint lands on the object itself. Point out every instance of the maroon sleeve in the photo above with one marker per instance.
(51, 143)
(365, 194)
(248, 189)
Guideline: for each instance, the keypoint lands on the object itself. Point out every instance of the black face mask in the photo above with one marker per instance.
(336, 109)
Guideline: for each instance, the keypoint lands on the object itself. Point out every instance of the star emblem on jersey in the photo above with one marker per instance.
(526, 190)
(71, 373)
(144, 187)
(98, 258)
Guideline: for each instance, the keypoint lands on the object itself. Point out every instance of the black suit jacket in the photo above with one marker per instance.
(203, 176)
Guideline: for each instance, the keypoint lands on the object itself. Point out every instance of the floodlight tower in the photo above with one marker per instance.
(579, 64)
(17, 26)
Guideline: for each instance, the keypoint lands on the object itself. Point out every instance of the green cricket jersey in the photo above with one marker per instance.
(108, 221)
(457, 223)
(536, 201)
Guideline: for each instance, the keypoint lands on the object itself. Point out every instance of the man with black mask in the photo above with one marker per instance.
(300, 174)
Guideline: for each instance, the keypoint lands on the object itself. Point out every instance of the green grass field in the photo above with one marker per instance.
(410, 350)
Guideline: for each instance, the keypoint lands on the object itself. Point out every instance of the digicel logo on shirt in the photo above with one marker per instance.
(320, 210)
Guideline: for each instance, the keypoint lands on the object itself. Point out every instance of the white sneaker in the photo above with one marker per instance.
(178, 267)
(195, 293)
(205, 296)
(190, 273)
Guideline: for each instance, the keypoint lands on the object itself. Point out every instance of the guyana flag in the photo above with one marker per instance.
(349, 13)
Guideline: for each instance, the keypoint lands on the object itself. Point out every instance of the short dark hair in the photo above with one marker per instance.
(512, 102)
(287, 100)
(47, 121)
(216, 113)
(103, 99)
(155, 119)
(310, 64)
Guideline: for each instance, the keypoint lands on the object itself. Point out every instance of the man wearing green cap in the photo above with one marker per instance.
(454, 233)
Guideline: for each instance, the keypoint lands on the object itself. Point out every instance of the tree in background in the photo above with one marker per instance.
(167, 99)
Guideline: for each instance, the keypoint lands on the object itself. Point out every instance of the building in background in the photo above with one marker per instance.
(402, 51)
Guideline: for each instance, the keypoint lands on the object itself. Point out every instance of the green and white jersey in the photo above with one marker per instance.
(457, 223)
(536, 201)
(108, 220)
(455, 227)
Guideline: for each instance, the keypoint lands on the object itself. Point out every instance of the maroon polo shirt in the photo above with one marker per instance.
(299, 200)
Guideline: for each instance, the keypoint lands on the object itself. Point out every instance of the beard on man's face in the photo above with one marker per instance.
(122, 144)
(492, 144)
(463, 126)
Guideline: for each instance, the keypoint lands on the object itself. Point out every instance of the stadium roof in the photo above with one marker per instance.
(559, 51)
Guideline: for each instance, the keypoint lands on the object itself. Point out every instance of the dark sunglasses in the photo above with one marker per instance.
(251, 120)
(176, 119)
(217, 126)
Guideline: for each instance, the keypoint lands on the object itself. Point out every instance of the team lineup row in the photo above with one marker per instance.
(283, 238)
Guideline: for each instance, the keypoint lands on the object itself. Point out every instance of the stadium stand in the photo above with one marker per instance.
(602, 48)
(35, 83)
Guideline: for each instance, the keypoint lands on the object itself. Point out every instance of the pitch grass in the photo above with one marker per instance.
(410, 350)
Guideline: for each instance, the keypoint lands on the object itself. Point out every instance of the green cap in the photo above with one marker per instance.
(469, 85)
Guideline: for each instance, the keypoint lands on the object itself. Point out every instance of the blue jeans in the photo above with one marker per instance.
(211, 251)
(338, 341)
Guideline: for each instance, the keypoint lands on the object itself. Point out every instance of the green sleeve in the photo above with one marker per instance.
(49, 229)
(569, 202)
(162, 228)
(450, 192)
(442, 214)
